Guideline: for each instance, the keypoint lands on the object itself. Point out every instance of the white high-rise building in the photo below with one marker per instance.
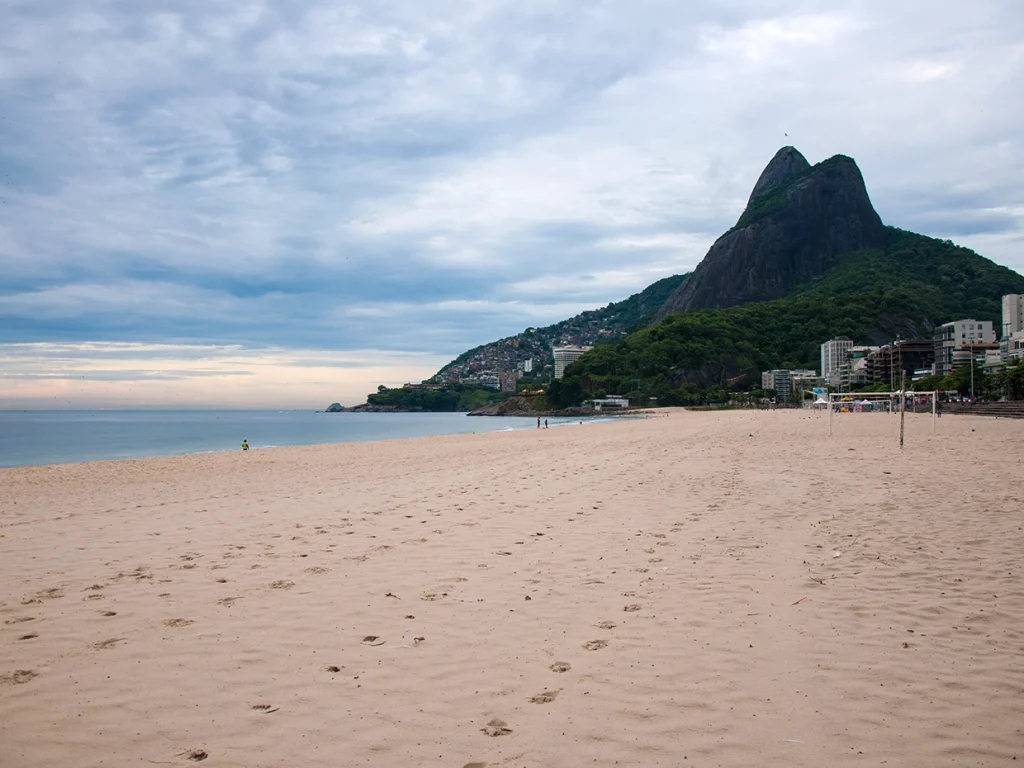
(835, 355)
(1013, 314)
(952, 337)
(566, 355)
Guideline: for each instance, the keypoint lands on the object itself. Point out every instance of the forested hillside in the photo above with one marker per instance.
(910, 286)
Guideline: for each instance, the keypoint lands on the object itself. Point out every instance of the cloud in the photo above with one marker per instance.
(132, 375)
(429, 177)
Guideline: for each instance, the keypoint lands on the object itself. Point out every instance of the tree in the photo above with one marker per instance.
(1010, 381)
(960, 380)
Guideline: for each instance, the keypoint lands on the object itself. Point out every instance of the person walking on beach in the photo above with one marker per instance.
(538, 422)
(545, 423)
(245, 445)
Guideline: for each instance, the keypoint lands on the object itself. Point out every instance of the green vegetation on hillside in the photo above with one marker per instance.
(453, 397)
(592, 327)
(909, 287)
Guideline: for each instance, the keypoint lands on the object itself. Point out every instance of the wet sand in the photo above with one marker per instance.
(703, 589)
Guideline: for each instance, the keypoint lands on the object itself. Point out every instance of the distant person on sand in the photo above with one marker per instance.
(538, 422)
(245, 445)
(545, 423)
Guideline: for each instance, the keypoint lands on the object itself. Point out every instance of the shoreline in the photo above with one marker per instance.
(317, 441)
(721, 588)
(263, 449)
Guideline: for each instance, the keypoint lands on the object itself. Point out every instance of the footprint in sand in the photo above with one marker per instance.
(18, 676)
(372, 640)
(475, 765)
(282, 584)
(19, 619)
(109, 613)
(595, 645)
(633, 608)
(333, 669)
(606, 625)
(264, 709)
(178, 622)
(560, 666)
(29, 636)
(105, 644)
(195, 755)
(317, 570)
(496, 728)
(545, 697)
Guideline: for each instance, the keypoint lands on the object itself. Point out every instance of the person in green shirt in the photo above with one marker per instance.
(245, 445)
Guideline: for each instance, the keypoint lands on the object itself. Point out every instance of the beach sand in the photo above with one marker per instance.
(704, 589)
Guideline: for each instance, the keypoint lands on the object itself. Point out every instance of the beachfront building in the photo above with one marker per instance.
(610, 402)
(566, 355)
(1013, 315)
(1011, 341)
(887, 363)
(782, 383)
(507, 381)
(1011, 348)
(803, 381)
(834, 357)
(854, 374)
(952, 340)
(984, 354)
(790, 385)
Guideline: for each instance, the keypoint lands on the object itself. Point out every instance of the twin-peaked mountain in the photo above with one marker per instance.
(808, 259)
(798, 220)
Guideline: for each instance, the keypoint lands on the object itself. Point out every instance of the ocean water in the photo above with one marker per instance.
(61, 437)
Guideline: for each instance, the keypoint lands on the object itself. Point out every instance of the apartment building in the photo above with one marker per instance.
(952, 339)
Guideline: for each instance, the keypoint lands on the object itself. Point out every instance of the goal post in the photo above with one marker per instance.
(891, 402)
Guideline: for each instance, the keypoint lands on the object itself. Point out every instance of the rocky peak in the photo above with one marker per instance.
(787, 164)
(798, 220)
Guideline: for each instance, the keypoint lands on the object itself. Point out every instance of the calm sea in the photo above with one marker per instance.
(60, 437)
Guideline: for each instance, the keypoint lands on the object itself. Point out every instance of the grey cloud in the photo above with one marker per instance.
(126, 374)
(341, 177)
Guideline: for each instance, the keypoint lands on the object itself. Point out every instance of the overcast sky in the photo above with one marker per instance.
(284, 204)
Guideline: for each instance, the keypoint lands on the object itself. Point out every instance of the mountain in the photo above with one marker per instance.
(809, 259)
(586, 329)
(798, 221)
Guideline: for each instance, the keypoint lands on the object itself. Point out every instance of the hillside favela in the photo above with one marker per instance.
(512, 385)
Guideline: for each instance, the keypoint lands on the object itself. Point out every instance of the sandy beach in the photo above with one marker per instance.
(703, 589)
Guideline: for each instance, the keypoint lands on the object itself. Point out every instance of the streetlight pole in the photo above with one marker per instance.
(972, 375)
